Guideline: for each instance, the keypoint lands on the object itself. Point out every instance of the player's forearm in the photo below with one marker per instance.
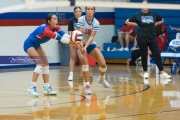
(89, 42)
(159, 22)
(130, 23)
(178, 29)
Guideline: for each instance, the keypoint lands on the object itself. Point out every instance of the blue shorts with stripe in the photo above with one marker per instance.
(90, 48)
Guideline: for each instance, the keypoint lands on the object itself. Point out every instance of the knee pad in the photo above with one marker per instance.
(38, 69)
(103, 69)
(45, 70)
(85, 68)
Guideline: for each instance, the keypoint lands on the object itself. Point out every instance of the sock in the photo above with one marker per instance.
(87, 83)
(33, 83)
(46, 84)
(102, 76)
(70, 73)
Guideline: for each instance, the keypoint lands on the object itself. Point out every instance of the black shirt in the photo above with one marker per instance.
(146, 23)
(72, 24)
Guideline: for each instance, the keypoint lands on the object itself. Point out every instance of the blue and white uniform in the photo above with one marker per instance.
(87, 30)
(42, 34)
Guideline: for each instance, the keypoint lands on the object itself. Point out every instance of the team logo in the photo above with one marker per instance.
(147, 19)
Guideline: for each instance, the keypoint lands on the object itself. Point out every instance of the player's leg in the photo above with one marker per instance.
(32, 52)
(156, 54)
(85, 70)
(97, 55)
(143, 47)
(72, 61)
(45, 72)
(121, 41)
(128, 39)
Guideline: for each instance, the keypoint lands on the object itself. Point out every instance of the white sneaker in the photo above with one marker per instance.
(165, 75)
(114, 49)
(32, 90)
(146, 75)
(70, 77)
(133, 48)
(121, 49)
(88, 90)
(103, 81)
(146, 81)
(126, 49)
(49, 90)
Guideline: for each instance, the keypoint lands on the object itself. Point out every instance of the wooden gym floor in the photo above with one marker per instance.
(130, 97)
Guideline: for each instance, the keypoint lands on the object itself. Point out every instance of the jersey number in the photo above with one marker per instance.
(88, 31)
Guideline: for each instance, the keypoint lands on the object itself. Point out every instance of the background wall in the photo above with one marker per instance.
(16, 26)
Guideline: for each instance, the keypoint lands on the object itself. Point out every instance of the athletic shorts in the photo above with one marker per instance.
(28, 44)
(90, 48)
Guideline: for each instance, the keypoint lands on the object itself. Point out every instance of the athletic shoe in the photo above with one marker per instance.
(49, 90)
(165, 75)
(121, 49)
(146, 75)
(88, 90)
(133, 48)
(32, 90)
(103, 81)
(126, 49)
(146, 81)
(70, 77)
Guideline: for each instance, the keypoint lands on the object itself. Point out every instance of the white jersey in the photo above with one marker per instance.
(88, 28)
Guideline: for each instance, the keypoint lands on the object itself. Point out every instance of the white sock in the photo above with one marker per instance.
(70, 73)
(46, 84)
(33, 83)
(87, 83)
(102, 76)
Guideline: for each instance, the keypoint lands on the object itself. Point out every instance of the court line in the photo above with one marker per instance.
(84, 97)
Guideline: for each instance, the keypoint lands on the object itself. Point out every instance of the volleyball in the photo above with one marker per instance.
(76, 36)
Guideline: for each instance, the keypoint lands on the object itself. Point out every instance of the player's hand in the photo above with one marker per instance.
(171, 27)
(83, 50)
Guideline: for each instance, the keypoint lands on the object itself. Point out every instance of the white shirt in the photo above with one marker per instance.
(88, 28)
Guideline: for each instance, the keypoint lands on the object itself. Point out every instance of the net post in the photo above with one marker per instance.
(72, 2)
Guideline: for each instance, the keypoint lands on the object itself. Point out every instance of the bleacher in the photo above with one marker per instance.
(171, 17)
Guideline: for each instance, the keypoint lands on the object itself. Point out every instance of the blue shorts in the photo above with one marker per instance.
(90, 48)
(28, 44)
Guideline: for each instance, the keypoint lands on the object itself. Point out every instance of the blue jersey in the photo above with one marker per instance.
(44, 33)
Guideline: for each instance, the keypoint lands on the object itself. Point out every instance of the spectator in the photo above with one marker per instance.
(126, 34)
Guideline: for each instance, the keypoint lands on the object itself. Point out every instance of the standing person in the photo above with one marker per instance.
(32, 47)
(146, 37)
(71, 27)
(89, 26)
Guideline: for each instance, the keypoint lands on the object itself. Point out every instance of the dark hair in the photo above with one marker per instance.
(77, 8)
(93, 7)
(48, 17)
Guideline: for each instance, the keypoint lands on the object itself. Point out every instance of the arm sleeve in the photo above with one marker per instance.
(80, 22)
(70, 25)
(59, 30)
(49, 33)
(96, 26)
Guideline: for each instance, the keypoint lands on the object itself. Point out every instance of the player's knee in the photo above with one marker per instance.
(45, 70)
(85, 68)
(38, 69)
(103, 69)
(73, 58)
(84, 61)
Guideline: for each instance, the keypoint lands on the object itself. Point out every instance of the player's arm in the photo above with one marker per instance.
(49, 33)
(159, 19)
(172, 28)
(131, 23)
